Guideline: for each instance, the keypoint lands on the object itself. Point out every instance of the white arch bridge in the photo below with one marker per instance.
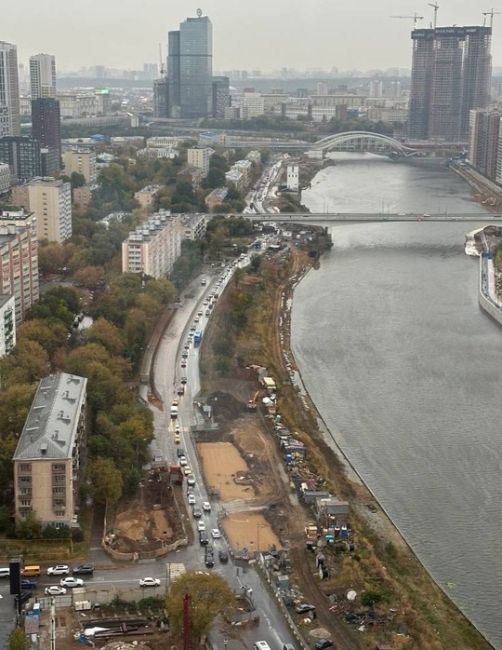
(364, 141)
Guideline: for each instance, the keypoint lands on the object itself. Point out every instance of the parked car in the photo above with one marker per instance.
(223, 556)
(215, 533)
(83, 570)
(58, 570)
(54, 590)
(304, 608)
(323, 644)
(149, 582)
(71, 582)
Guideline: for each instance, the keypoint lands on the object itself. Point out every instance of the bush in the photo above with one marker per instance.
(53, 531)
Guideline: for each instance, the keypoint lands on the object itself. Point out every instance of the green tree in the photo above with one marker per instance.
(209, 595)
(18, 640)
(104, 332)
(77, 180)
(29, 527)
(107, 481)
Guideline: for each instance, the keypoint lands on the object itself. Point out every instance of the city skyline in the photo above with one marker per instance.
(324, 35)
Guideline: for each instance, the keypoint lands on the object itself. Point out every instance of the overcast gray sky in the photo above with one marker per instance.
(248, 34)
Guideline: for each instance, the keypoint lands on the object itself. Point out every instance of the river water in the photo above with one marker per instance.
(406, 370)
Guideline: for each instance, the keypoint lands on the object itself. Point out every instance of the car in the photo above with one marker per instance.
(174, 402)
(54, 590)
(199, 313)
(201, 526)
(288, 646)
(196, 319)
(183, 363)
(206, 506)
(187, 345)
(203, 538)
(187, 470)
(184, 380)
(209, 557)
(208, 313)
(191, 499)
(304, 608)
(323, 644)
(177, 428)
(181, 390)
(261, 645)
(177, 439)
(192, 330)
(215, 533)
(58, 570)
(184, 354)
(83, 570)
(149, 582)
(191, 481)
(223, 556)
(180, 452)
(71, 582)
(196, 513)
(183, 461)
(29, 584)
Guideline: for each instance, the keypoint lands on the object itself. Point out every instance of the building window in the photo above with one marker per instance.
(25, 468)
(59, 513)
(58, 468)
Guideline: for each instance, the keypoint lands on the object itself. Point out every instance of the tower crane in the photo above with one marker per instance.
(162, 69)
(490, 13)
(435, 6)
(415, 18)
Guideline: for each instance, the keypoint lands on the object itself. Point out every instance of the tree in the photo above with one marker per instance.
(29, 527)
(209, 594)
(104, 332)
(18, 640)
(90, 277)
(107, 481)
(77, 180)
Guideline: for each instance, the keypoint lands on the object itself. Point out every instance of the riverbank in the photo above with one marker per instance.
(414, 612)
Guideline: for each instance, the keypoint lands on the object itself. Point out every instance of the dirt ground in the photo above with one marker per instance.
(136, 523)
(221, 462)
(250, 530)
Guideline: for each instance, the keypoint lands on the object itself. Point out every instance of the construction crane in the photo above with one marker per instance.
(435, 6)
(490, 13)
(415, 18)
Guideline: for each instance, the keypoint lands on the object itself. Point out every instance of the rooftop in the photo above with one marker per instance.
(51, 426)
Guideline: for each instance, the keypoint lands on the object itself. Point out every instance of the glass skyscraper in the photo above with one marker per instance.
(190, 68)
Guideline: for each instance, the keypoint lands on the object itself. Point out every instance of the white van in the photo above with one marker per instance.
(261, 645)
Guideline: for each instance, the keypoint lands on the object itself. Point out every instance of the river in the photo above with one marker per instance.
(405, 369)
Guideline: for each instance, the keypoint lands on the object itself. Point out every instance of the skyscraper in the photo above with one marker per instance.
(43, 76)
(45, 111)
(161, 97)
(22, 154)
(190, 68)
(9, 91)
(221, 96)
(451, 74)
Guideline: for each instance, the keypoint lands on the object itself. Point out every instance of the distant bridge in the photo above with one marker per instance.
(364, 141)
(347, 217)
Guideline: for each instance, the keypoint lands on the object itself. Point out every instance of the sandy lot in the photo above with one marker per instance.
(137, 524)
(249, 530)
(220, 462)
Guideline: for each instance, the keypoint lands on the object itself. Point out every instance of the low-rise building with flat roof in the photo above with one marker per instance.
(146, 195)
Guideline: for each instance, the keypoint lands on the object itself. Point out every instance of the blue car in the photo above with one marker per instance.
(28, 584)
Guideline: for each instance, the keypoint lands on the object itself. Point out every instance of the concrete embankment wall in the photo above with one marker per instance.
(483, 295)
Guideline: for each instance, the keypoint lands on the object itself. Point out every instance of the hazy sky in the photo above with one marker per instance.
(248, 34)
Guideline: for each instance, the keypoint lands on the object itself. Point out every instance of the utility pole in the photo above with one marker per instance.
(435, 6)
(186, 622)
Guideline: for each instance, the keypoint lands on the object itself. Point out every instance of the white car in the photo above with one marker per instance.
(201, 526)
(149, 582)
(215, 533)
(206, 506)
(191, 499)
(58, 570)
(55, 591)
(71, 582)
(183, 461)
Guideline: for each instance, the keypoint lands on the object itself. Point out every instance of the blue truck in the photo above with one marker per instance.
(197, 338)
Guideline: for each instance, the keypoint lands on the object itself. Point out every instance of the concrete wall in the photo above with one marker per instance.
(483, 295)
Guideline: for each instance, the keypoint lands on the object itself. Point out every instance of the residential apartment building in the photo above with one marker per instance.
(221, 96)
(47, 457)
(43, 76)
(4, 178)
(216, 197)
(451, 74)
(82, 161)
(9, 91)
(22, 154)
(7, 324)
(154, 246)
(252, 105)
(77, 105)
(147, 195)
(19, 259)
(200, 157)
(46, 128)
(193, 226)
(50, 200)
(484, 140)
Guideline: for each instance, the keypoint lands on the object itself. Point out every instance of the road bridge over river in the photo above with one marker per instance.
(335, 217)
